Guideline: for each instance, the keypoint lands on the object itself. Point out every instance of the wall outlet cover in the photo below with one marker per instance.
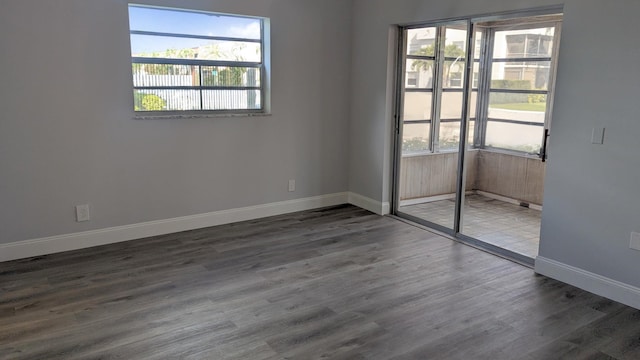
(82, 213)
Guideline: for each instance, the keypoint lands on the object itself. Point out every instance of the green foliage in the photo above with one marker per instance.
(153, 102)
(453, 51)
(540, 106)
(161, 69)
(536, 98)
(415, 144)
(223, 76)
(166, 69)
(148, 102)
(505, 98)
(418, 144)
(179, 54)
(450, 51)
(511, 84)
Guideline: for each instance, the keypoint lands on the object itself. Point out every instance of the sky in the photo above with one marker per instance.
(183, 22)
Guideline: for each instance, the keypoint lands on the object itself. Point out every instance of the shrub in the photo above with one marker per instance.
(148, 102)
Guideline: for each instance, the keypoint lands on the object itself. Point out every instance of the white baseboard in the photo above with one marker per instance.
(422, 200)
(427, 199)
(60, 243)
(376, 207)
(507, 199)
(594, 283)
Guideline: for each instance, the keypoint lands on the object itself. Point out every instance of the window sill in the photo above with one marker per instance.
(197, 116)
(521, 154)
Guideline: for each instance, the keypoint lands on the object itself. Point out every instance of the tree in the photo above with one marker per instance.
(450, 51)
(165, 69)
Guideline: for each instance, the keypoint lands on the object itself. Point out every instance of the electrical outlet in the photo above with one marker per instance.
(635, 241)
(82, 213)
(292, 185)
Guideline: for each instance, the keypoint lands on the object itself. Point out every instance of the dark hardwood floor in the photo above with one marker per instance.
(338, 283)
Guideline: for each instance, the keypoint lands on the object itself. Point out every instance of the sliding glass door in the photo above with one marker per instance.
(474, 107)
(434, 59)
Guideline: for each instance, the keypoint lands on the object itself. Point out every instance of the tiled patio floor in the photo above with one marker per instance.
(496, 222)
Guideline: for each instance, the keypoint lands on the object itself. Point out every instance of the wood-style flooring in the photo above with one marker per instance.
(334, 283)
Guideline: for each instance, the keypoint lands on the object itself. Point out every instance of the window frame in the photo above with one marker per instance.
(480, 82)
(437, 89)
(262, 66)
(486, 68)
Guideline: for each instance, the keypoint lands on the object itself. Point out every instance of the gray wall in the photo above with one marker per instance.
(591, 201)
(67, 133)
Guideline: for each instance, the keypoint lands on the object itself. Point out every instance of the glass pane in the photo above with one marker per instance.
(450, 130)
(178, 21)
(455, 42)
(419, 74)
(522, 107)
(165, 75)
(453, 74)
(183, 48)
(476, 75)
(421, 41)
(518, 137)
(471, 133)
(429, 178)
(478, 45)
(415, 138)
(524, 43)
(417, 105)
(230, 99)
(158, 100)
(449, 135)
(451, 105)
(530, 75)
(230, 76)
(454, 53)
(473, 104)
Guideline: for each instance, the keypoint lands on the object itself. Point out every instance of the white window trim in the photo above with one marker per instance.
(264, 65)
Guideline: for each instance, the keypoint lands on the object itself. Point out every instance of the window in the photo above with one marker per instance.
(509, 100)
(519, 90)
(188, 61)
(433, 94)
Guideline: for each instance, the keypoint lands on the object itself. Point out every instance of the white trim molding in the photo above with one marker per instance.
(594, 283)
(66, 242)
(376, 207)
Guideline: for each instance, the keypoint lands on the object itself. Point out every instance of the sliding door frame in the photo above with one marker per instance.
(401, 62)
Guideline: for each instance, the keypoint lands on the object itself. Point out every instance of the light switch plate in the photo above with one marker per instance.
(635, 241)
(597, 135)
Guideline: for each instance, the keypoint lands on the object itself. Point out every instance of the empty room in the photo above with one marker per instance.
(319, 179)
